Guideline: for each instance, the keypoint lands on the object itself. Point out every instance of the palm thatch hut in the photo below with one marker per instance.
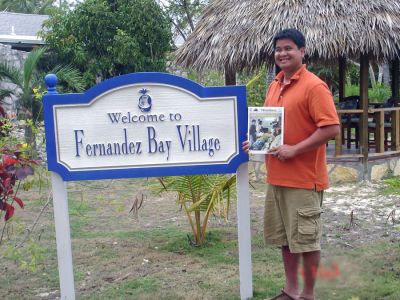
(238, 34)
(232, 36)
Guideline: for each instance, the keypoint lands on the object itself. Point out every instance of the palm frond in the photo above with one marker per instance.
(5, 93)
(201, 193)
(11, 74)
(30, 65)
(71, 76)
(219, 189)
(188, 186)
(42, 8)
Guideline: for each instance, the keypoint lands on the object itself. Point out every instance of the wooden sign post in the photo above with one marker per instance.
(145, 125)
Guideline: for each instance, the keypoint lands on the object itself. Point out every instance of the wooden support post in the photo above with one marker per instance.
(395, 130)
(342, 77)
(338, 139)
(379, 117)
(364, 65)
(396, 81)
(230, 76)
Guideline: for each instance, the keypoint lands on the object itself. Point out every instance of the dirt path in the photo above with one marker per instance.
(359, 213)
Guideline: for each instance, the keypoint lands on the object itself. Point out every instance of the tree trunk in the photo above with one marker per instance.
(386, 74)
(372, 76)
(380, 74)
(270, 75)
(198, 236)
(30, 139)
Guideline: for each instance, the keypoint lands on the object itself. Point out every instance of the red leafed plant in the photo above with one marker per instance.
(14, 167)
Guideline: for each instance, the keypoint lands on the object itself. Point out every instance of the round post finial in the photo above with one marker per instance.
(51, 82)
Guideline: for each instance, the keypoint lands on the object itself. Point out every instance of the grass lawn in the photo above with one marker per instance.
(119, 255)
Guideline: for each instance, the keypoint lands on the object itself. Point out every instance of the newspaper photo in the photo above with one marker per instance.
(265, 128)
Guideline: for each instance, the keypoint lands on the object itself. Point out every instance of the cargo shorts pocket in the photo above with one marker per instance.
(308, 224)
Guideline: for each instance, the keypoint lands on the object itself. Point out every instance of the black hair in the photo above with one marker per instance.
(292, 34)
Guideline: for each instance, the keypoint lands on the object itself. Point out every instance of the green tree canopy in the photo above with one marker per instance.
(26, 6)
(183, 15)
(109, 38)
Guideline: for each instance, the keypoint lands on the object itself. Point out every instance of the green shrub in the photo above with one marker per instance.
(379, 93)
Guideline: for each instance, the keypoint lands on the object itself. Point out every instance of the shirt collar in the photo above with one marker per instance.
(296, 76)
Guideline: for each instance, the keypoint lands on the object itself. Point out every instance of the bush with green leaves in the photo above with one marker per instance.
(379, 93)
(256, 87)
(104, 39)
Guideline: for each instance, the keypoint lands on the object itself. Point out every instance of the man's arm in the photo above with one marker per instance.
(320, 136)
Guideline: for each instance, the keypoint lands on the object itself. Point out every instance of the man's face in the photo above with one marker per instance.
(288, 56)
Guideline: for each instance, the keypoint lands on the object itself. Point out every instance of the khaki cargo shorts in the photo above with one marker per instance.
(292, 218)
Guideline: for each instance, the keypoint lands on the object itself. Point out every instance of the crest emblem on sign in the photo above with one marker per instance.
(144, 100)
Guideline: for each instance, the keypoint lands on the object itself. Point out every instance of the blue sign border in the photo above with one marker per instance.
(52, 98)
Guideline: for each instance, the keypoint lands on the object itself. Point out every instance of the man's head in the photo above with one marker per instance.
(292, 34)
(289, 47)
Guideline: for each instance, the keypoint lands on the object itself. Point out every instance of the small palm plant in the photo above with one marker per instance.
(27, 80)
(200, 196)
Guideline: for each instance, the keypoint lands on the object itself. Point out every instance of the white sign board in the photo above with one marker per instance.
(141, 125)
(138, 127)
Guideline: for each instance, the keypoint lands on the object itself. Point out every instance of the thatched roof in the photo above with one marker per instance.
(238, 33)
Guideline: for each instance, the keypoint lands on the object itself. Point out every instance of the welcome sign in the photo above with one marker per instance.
(142, 125)
(145, 124)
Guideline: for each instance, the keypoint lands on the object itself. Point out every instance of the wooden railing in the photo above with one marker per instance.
(382, 134)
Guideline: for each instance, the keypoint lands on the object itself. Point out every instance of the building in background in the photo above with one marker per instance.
(18, 36)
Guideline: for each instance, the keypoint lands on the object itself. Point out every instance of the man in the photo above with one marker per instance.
(296, 170)
(253, 132)
(277, 138)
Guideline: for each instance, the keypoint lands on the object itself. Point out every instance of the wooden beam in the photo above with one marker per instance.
(338, 139)
(379, 118)
(364, 65)
(230, 76)
(395, 130)
(396, 81)
(342, 77)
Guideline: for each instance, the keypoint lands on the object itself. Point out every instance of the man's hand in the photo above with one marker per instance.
(320, 136)
(283, 152)
(246, 146)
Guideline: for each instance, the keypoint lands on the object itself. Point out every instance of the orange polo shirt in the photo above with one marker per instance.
(308, 104)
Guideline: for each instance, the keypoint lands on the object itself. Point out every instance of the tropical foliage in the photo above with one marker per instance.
(14, 166)
(183, 15)
(200, 196)
(378, 93)
(256, 87)
(28, 78)
(26, 6)
(329, 74)
(5, 124)
(104, 39)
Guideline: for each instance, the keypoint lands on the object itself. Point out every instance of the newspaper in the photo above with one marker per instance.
(265, 129)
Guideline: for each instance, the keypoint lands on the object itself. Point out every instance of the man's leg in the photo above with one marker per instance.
(291, 265)
(310, 264)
